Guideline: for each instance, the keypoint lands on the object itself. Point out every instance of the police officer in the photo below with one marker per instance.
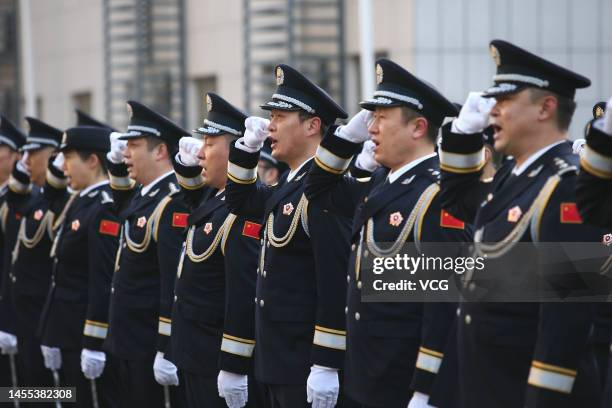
(392, 348)
(11, 140)
(154, 218)
(30, 275)
(303, 249)
(212, 318)
(76, 317)
(520, 354)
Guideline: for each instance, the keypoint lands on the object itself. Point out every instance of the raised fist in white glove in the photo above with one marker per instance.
(578, 146)
(256, 132)
(365, 160)
(8, 343)
(189, 147)
(419, 400)
(474, 115)
(92, 363)
(356, 130)
(52, 356)
(58, 162)
(234, 388)
(322, 387)
(164, 370)
(117, 148)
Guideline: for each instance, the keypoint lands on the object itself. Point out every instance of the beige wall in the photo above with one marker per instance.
(67, 37)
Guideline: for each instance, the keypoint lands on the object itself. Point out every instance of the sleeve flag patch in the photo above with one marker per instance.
(570, 214)
(251, 229)
(108, 227)
(179, 219)
(448, 221)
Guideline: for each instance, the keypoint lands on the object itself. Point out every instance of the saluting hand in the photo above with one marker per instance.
(474, 115)
(189, 147)
(256, 132)
(115, 155)
(365, 160)
(356, 130)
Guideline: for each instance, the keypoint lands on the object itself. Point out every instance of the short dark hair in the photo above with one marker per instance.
(565, 106)
(409, 114)
(84, 155)
(153, 142)
(303, 115)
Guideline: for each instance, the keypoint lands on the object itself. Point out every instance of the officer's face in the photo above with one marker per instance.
(79, 171)
(36, 163)
(139, 159)
(287, 134)
(213, 156)
(513, 118)
(393, 136)
(7, 159)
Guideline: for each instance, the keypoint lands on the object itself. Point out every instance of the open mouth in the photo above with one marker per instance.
(273, 142)
(496, 129)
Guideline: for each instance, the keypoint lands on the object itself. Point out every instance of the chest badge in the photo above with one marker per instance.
(208, 227)
(514, 214)
(141, 221)
(76, 224)
(607, 240)
(287, 209)
(38, 215)
(396, 219)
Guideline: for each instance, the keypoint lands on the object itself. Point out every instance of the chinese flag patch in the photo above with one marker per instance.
(109, 228)
(448, 221)
(251, 229)
(179, 219)
(570, 214)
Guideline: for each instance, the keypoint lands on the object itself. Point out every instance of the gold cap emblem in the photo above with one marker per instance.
(280, 76)
(379, 74)
(599, 112)
(64, 138)
(208, 103)
(130, 111)
(495, 55)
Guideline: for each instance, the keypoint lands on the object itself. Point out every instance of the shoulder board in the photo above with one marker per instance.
(433, 174)
(174, 189)
(363, 179)
(562, 166)
(106, 198)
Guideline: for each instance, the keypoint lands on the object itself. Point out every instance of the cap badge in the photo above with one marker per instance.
(280, 76)
(64, 138)
(208, 227)
(514, 214)
(495, 55)
(379, 74)
(130, 111)
(141, 221)
(395, 219)
(208, 103)
(599, 112)
(287, 209)
(76, 224)
(38, 215)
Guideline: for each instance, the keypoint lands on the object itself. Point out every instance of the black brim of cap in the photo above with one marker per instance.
(503, 88)
(372, 104)
(275, 104)
(212, 131)
(28, 147)
(133, 135)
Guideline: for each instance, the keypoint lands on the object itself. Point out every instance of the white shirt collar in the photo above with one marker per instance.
(145, 189)
(394, 175)
(293, 173)
(520, 169)
(89, 188)
(218, 193)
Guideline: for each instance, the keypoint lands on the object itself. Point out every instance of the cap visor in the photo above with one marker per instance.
(31, 146)
(279, 105)
(503, 88)
(211, 131)
(131, 135)
(372, 104)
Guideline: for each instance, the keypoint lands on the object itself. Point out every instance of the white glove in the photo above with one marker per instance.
(419, 400)
(322, 387)
(474, 115)
(58, 162)
(256, 132)
(356, 130)
(92, 363)
(52, 356)
(365, 160)
(115, 155)
(8, 343)
(578, 146)
(234, 388)
(189, 147)
(164, 370)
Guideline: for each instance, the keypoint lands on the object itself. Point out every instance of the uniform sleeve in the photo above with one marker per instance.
(19, 190)
(55, 191)
(191, 181)
(327, 185)
(462, 159)
(331, 262)
(170, 235)
(438, 227)
(243, 195)
(122, 186)
(103, 235)
(241, 251)
(594, 185)
(554, 366)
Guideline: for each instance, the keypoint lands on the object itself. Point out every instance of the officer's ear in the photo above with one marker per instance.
(314, 126)
(161, 152)
(421, 125)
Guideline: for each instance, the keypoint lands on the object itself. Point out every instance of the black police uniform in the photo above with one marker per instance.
(213, 325)
(12, 137)
(153, 219)
(304, 250)
(520, 354)
(31, 265)
(76, 310)
(392, 348)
